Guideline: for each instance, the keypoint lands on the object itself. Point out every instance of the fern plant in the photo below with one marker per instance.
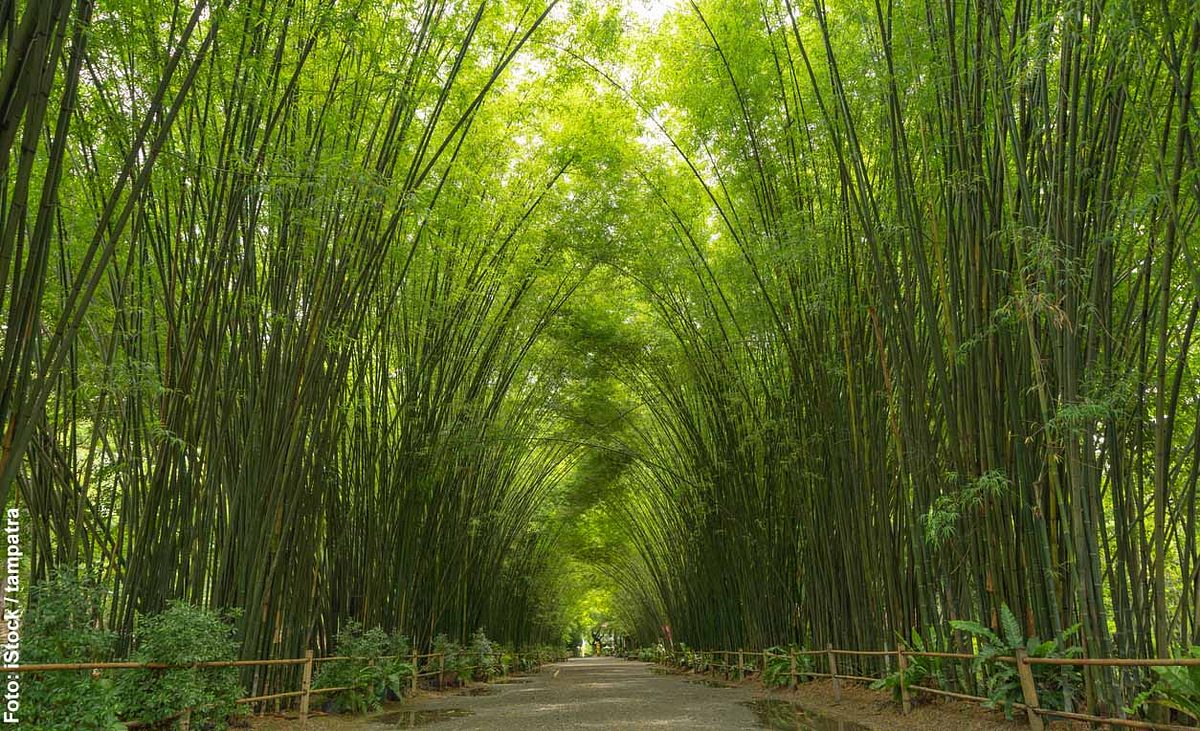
(920, 670)
(395, 667)
(1177, 688)
(1055, 684)
(778, 668)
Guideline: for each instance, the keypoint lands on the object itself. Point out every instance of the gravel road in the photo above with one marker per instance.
(584, 693)
(607, 693)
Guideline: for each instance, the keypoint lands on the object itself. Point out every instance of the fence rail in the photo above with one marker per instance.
(1034, 713)
(306, 691)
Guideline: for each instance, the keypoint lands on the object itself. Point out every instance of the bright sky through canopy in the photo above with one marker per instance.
(651, 11)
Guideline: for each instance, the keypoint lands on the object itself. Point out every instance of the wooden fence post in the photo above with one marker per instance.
(185, 720)
(306, 688)
(416, 671)
(741, 660)
(902, 666)
(792, 671)
(837, 684)
(441, 670)
(1028, 690)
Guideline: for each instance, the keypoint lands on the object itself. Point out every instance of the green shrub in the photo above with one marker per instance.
(690, 659)
(456, 664)
(396, 665)
(364, 677)
(745, 667)
(1177, 688)
(778, 670)
(531, 658)
(61, 624)
(651, 654)
(1054, 683)
(182, 635)
(484, 658)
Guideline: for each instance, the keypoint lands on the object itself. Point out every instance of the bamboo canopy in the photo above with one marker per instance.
(733, 323)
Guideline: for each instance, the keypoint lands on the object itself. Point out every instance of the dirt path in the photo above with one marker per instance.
(595, 693)
(608, 693)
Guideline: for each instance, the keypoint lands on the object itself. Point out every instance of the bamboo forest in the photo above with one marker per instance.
(624, 364)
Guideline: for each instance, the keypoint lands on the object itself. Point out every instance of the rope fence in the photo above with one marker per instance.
(1035, 714)
(306, 691)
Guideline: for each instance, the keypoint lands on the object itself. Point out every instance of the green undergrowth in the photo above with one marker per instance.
(63, 625)
(778, 670)
(377, 666)
(1174, 688)
(1056, 685)
(182, 635)
(927, 671)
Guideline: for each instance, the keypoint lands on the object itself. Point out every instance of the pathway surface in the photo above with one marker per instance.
(608, 693)
(587, 693)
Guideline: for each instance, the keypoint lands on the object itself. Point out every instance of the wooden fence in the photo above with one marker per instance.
(306, 690)
(1034, 713)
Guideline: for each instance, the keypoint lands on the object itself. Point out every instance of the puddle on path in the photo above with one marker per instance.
(785, 716)
(413, 719)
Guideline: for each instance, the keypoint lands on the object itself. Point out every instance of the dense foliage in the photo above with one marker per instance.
(1177, 688)
(281, 280)
(726, 323)
(1003, 686)
(62, 626)
(374, 666)
(930, 317)
(181, 635)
